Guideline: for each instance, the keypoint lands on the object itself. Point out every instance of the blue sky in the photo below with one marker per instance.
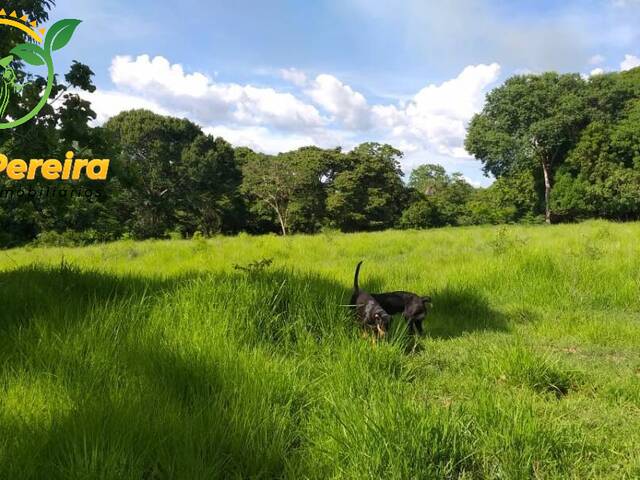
(275, 75)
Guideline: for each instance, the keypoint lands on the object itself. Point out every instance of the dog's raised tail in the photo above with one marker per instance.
(356, 287)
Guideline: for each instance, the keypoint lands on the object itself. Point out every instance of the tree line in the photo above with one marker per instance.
(561, 147)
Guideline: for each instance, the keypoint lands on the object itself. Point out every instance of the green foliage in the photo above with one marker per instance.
(530, 122)
(292, 186)
(173, 176)
(586, 137)
(70, 238)
(602, 174)
(570, 200)
(557, 144)
(423, 213)
(439, 199)
(305, 189)
(80, 76)
(510, 199)
(367, 192)
(208, 181)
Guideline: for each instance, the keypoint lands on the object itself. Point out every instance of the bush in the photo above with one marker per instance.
(69, 238)
(421, 214)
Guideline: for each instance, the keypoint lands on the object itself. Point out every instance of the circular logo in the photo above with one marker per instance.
(37, 53)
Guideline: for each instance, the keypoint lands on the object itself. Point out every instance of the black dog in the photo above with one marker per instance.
(412, 307)
(368, 311)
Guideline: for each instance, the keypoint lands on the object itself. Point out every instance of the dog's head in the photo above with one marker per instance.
(381, 322)
(416, 313)
(427, 302)
(418, 308)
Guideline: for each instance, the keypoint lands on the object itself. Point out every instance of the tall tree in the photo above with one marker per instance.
(602, 174)
(429, 179)
(149, 155)
(289, 184)
(209, 181)
(530, 120)
(439, 199)
(367, 193)
(62, 125)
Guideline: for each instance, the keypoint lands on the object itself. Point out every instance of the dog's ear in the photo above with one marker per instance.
(426, 300)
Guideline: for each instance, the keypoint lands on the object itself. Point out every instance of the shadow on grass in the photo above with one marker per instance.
(63, 292)
(170, 416)
(138, 406)
(457, 311)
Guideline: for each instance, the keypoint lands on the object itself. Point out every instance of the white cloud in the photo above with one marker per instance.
(294, 76)
(348, 106)
(266, 140)
(593, 73)
(437, 116)
(629, 62)
(202, 99)
(596, 59)
(260, 139)
(431, 123)
(472, 182)
(108, 104)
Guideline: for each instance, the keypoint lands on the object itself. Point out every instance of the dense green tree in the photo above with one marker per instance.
(208, 183)
(173, 177)
(509, 199)
(37, 10)
(439, 199)
(602, 174)
(292, 185)
(530, 122)
(149, 155)
(62, 125)
(367, 192)
(556, 143)
(272, 181)
(421, 213)
(607, 95)
(429, 179)
(315, 167)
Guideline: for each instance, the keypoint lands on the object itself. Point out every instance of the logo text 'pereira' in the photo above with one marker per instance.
(52, 169)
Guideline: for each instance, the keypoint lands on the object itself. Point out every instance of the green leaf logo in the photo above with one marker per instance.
(60, 34)
(30, 53)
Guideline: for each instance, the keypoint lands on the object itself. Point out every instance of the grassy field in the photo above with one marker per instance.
(158, 360)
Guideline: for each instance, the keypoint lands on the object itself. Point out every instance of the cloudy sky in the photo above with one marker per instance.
(280, 74)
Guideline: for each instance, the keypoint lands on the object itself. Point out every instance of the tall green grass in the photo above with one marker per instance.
(159, 360)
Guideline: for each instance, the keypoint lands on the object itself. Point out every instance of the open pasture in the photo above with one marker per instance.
(159, 359)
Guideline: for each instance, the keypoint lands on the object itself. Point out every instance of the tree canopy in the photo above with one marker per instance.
(532, 121)
(560, 146)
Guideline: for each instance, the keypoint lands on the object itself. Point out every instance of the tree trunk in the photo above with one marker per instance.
(283, 224)
(547, 192)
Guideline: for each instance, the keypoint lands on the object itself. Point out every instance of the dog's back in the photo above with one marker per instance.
(413, 307)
